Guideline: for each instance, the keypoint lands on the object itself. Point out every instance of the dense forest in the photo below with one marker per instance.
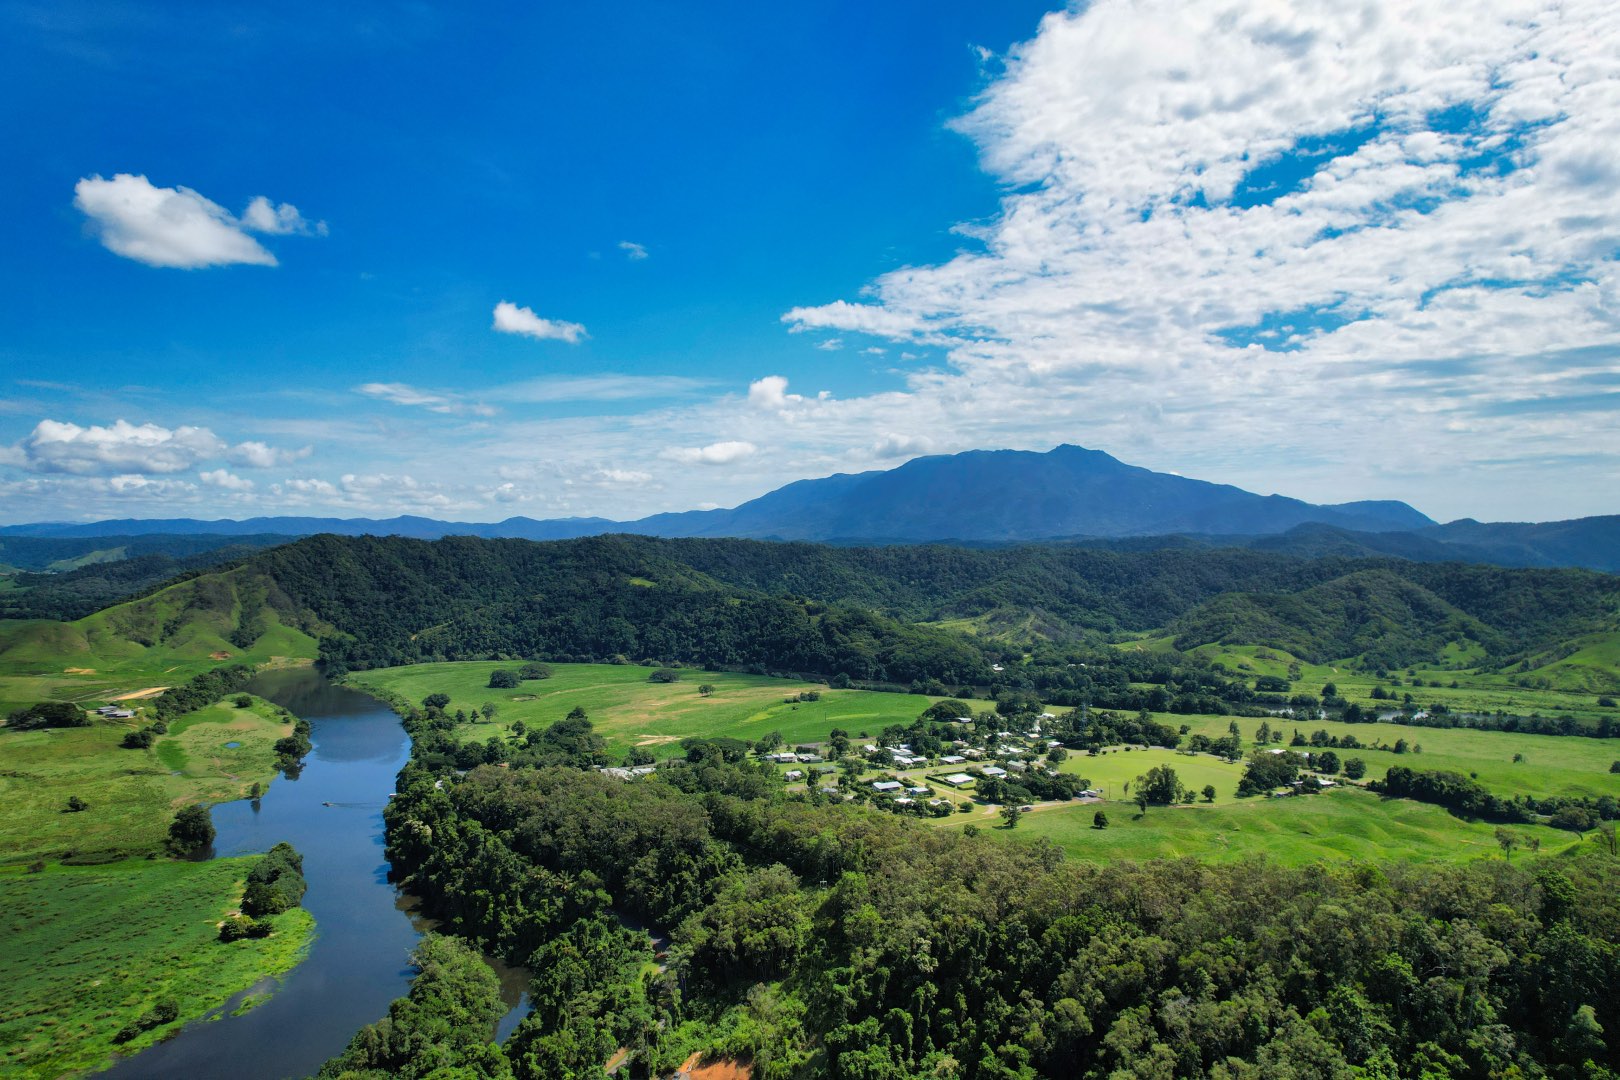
(825, 939)
(856, 610)
(81, 590)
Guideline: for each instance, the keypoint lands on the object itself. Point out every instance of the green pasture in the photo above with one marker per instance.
(1111, 769)
(1552, 765)
(85, 950)
(1340, 824)
(628, 710)
(132, 793)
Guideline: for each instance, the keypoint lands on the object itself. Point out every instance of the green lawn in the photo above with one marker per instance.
(132, 793)
(84, 950)
(628, 710)
(1336, 825)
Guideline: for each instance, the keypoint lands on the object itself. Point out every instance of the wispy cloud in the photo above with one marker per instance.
(177, 227)
(439, 401)
(605, 387)
(633, 251)
(511, 319)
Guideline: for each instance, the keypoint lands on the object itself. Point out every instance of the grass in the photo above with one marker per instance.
(1552, 765)
(1113, 768)
(132, 793)
(158, 640)
(86, 950)
(628, 710)
(1342, 824)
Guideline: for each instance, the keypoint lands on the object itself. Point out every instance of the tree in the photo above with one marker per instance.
(1141, 801)
(138, 740)
(488, 709)
(1209, 792)
(705, 689)
(534, 670)
(436, 701)
(76, 804)
(1400, 746)
(1327, 762)
(1010, 815)
(502, 679)
(48, 714)
(1160, 786)
(1099, 820)
(970, 829)
(192, 829)
(1330, 691)
(1355, 768)
(664, 675)
(639, 755)
(1508, 840)
(243, 701)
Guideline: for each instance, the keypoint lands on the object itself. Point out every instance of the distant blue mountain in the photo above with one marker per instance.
(1003, 496)
(982, 495)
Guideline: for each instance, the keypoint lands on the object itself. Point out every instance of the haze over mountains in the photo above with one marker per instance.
(999, 496)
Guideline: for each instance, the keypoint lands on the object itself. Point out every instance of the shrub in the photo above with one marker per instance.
(534, 670)
(243, 701)
(1099, 820)
(76, 804)
(664, 675)
(192, 829)
(502, 679)
(436, 701)
(138, 740)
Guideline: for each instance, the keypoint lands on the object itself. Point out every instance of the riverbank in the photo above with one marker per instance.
(88, 951)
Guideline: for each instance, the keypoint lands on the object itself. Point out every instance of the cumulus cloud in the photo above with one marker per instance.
(433, 401)
(633, 251)
(222, 478)
(178, 227)
(512, 319)
(895, 445)
(720, 453)
(1340, 211)
(258, 455)
(121, 447)
(302, 489)
(264, 216)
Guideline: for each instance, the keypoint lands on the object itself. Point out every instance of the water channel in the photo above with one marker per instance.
(365, 928)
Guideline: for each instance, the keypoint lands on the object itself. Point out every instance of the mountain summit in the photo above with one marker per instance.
(980, 495)
(1019, 495)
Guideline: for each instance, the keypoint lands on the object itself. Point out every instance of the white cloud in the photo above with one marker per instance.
(830, 345)
(178, 227)
(1433, 248)
(626, 477)
(771, 393)
(433, 401)
(258, 455)
(511, 319)
(633, 251)
(720, 453)
(264, 216)
(895, 445)
(221, 478)
(301, 489)
(121, 447)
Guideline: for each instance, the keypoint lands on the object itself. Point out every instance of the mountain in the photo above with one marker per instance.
(981, 495)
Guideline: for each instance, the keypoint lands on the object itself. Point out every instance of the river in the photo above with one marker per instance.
(365, 928)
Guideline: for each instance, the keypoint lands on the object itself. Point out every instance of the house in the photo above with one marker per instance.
(829, 789)
(1018, 766)
(793, 774)
(106, 709)
(960, 779)
(1048, 716)
(993, 771)
(870, 748)
(885, 785)
(786, 757)
(121, 714)
(918, 790)
(907, 760)
(809, 758)
(973, 752)
(953, 759)
(997, 667)
(902, 801)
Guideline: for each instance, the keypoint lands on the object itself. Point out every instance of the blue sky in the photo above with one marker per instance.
(371, 259)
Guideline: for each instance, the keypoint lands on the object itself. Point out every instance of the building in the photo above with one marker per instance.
(993, 771)
(793, 774)
(885, 785)
(960, 779)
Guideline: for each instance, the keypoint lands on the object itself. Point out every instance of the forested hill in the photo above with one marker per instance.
(819, 608)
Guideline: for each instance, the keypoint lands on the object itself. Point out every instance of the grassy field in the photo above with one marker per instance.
(158, 640)
(1335, 825)
(1115, 767)
(85, 950)
(1552, 765)
(628, 710)
(132, 793)
(1570, 686)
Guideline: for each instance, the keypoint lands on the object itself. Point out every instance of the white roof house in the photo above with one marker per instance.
(953, 759)
(960, 779)
(793, 774)
(991, 770)
(885, 785)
